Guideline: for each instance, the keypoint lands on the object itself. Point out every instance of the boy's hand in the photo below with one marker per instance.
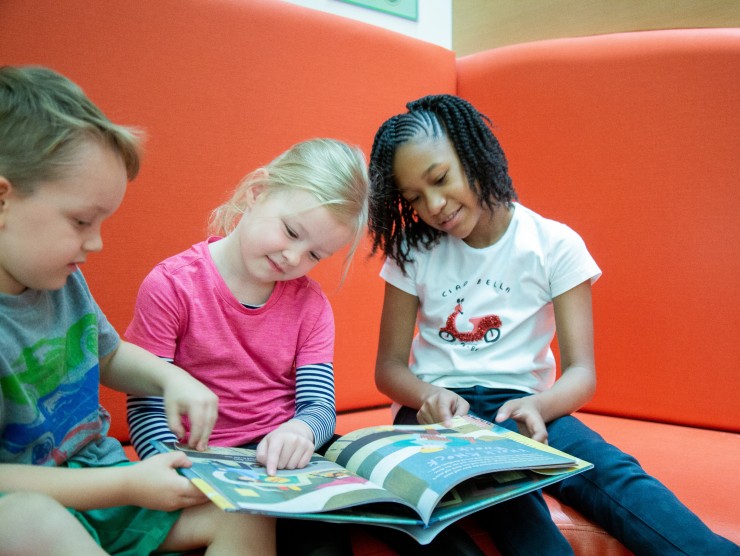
(526, 413)
(187, 396)
(290, 446)
(441, 406)
(155, 483)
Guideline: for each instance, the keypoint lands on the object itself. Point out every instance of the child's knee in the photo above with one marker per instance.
(239, 533)
(227, 533)
(22, 508)
(32, 519)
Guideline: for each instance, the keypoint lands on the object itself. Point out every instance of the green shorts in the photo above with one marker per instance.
(126, 530)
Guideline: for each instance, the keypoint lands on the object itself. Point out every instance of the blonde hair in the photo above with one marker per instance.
(334, 172)
(44, 119)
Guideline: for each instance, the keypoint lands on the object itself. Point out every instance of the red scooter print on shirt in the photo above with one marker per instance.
(484, 328)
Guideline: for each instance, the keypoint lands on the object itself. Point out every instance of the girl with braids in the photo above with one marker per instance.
(460, 251)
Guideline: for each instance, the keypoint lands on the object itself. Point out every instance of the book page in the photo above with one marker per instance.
(234, 481)
(421, 463)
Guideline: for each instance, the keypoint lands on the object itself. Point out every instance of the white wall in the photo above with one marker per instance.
(434, 23)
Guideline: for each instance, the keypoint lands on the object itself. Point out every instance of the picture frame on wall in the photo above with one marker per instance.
(407, 9)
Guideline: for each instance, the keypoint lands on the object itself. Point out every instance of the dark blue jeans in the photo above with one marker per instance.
(617, 493)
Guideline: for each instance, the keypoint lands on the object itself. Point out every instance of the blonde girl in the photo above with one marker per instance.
(239, 312)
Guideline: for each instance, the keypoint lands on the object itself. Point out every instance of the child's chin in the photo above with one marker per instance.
(54, 285)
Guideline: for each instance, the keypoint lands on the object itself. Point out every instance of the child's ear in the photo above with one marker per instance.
(258, 188)
(5, 189)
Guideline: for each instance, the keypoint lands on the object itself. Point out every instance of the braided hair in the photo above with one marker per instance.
(394, 226)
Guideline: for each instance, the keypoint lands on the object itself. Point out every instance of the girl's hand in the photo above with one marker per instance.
(441, 406)
(155, 483)
(526, 413)
(290, 446)
(187, 396)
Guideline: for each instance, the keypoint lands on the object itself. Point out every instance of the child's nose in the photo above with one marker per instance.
(93, 243)
(292, 256)
(435, 203)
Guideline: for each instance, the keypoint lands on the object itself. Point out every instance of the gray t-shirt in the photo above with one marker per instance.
(51, 343)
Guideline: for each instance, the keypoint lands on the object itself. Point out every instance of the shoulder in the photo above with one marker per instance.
(183, 268)
(562, 250)
(306, 289)
(546, 230)
(527, 216)
(193, 256)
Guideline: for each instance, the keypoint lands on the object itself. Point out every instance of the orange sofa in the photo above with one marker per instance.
(631, 138)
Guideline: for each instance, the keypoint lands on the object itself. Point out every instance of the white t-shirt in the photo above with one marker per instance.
(485, 315)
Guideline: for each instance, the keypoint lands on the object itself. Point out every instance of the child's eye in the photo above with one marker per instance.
(441, 179)
(290, 232)
(81, 223)
(315, 256)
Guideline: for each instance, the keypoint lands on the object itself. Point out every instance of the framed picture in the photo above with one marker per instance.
(407, 9)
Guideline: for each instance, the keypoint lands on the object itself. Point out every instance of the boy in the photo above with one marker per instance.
(64, 168)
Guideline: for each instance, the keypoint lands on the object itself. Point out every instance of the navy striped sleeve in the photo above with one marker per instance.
(315, 404)
(147, 421)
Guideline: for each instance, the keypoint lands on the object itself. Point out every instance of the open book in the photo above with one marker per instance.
(415, 478)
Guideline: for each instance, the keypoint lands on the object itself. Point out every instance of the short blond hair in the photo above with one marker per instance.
(44, 118)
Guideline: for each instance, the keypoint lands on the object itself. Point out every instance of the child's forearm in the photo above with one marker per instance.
(570, 392)
(320, 419)
(396, 381)
(147, 421)
(81, 489)
(315, 405)
(134, 370)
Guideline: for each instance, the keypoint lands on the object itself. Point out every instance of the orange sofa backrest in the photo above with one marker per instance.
(634, 140)
(222, 87)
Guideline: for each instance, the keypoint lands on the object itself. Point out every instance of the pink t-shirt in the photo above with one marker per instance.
(186, 312)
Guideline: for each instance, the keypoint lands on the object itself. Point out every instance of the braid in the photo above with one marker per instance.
(394, 226)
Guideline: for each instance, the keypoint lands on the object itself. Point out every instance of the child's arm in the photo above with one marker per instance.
(576, 386)
(153, 484)
(147, 421)
(134, 370)
(314, 400)
(392, 374)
